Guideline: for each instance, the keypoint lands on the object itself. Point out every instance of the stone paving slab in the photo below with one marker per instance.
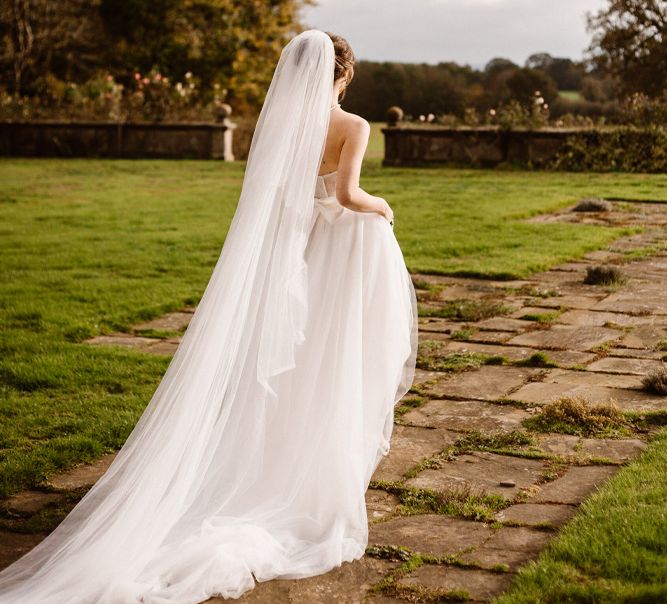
(577, 484)
(589, 378)
(482, 473)
(173, 321)
(511, 546)
(572, 301)
(82, 476)
(409, 445)
(538, 393)
(590, 318)
(480, 585)
(14, 545)
(645, 336)
(626, 366)
(29, 502)
(540, 514)
(490, 382)
(462, 415)
(564, 358)
(568, 337)
(431, 534)
(380, 505)
(347, 584)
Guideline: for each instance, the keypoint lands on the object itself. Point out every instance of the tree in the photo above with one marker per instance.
(524, 83)
(630, 43)
(230, 42)
(43, 37)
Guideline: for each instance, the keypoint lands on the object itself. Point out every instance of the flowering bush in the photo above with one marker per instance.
(146, 97)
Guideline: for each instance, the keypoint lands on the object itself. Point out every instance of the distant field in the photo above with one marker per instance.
(572, 95)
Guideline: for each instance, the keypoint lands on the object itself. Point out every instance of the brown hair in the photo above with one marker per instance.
(344, 65)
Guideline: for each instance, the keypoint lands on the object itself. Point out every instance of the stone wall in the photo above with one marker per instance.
(488, 146)
(111, 139)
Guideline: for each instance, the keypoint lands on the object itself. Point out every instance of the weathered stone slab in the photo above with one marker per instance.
(491, 382)
(82, 476)
(613, 449)
(498, 337)
(567, 337)
(501, 324)
(29, 502)
(573, 301)
(532, 514)
(437, 325)
(576, 485)
(634, 366)
(347, 584)
(409, 445)
(432, 534)
(628, 400)
(637, 302)
(422, 376)
(513, 546)
(491, 558)
(466, 415)
(482, 472)
(590, 318)
(559, 444)
(380, 504)
(166, 347)
(14, 545)
(173, 321)
(636, 353)
(565, 358)
(481, 585)
(645, 336)
(591, 379)
(122, 339)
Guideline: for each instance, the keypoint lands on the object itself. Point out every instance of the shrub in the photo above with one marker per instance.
(604, 275)
(656, 382)
(592, 204)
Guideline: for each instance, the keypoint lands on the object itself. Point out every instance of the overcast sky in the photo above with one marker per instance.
(465, 31)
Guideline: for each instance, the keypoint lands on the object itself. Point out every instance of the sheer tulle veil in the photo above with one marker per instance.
(198, 444)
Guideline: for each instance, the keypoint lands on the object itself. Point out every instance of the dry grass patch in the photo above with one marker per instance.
(604, 275)
(576, 415)
(656, 382)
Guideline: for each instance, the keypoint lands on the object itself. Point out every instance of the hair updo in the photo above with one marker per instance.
(344, 62)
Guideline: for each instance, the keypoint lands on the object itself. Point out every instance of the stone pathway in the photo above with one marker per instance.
(472, 489)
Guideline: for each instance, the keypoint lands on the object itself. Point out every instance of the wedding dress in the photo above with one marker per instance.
(252, 459)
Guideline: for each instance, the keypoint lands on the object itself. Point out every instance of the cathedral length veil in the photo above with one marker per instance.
(174, 518)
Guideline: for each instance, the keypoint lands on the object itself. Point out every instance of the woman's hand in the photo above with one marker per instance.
(386, 211)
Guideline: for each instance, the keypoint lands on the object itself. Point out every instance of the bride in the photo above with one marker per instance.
(252, 459)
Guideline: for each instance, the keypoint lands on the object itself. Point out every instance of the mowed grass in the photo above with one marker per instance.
(95, 246)
(615, 550)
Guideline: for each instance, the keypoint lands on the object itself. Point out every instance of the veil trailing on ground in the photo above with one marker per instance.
(199, 442)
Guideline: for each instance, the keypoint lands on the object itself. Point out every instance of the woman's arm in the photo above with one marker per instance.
(348, 191)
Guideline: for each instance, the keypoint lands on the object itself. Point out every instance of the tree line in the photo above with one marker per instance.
(231, 47)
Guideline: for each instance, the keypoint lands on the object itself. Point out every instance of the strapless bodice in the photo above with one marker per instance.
(325, 197)
(326, 185)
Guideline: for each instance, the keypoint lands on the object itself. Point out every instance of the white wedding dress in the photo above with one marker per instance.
(253, 457)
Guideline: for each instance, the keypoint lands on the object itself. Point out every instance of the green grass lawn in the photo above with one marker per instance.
(94, 246)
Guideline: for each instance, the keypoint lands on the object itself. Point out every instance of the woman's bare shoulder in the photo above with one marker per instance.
(354, 124)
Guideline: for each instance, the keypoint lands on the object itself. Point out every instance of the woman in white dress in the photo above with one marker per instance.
(252, 459)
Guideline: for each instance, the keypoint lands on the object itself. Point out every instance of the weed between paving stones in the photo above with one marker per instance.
(465, 310)
(576, 415)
